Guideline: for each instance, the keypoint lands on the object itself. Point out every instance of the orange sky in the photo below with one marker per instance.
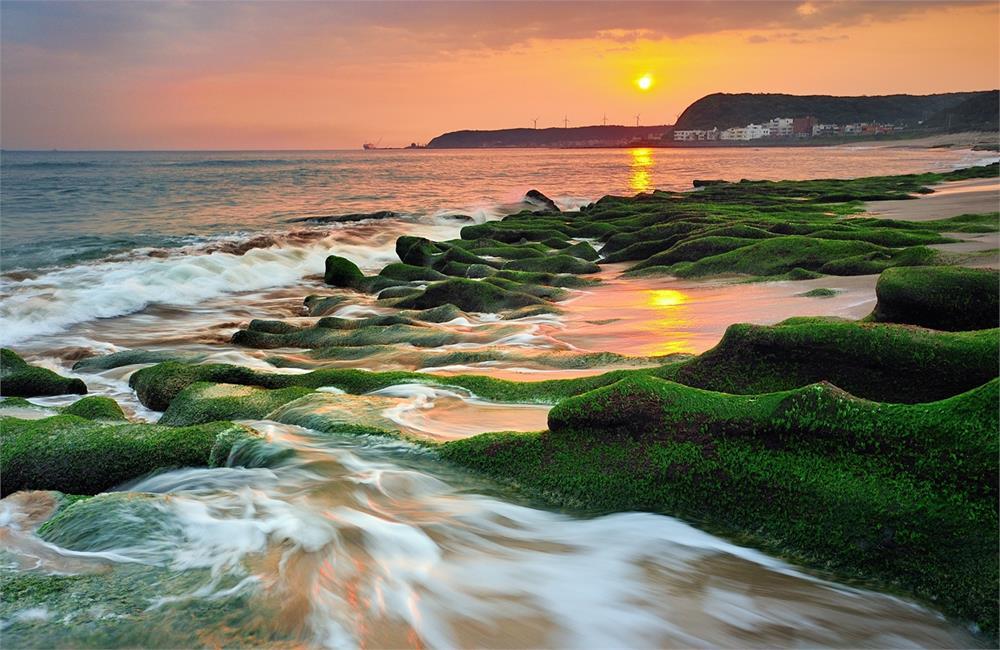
(332, 75)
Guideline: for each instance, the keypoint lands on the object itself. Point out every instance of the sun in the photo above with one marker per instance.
(645, 82)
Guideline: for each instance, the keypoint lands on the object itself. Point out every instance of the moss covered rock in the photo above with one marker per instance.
(342, 272)
(78, 456)
(96, 407)
(410, 273)
(469, 295)
(890, 363)
(553, 264)
(206, 402)
(902, 495)
(20, 379)
(323, 305)
(131, 357)
(944, 297)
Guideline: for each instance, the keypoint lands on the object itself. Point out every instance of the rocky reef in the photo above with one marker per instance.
(864, 449)
(20, 379)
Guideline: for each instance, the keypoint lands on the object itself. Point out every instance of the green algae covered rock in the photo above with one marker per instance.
(157, 386)
(767, 257)
(204, 402)
(943, 297)
(96, 407)
(398, 292)
(322, 305)
(890, 363)
(819, 292)
(19, 379)
(583, 250)
(417, 251)
(951, 442)
(78, 456)
(903, 495)
(342, 272)
(468, 295)
(410, 273)
(131, 357)
(553, 264)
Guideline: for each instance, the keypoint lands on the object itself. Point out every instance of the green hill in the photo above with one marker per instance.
(727, 110)
(981, 112)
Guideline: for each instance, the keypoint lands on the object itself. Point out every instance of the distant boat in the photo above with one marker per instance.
(368, 146)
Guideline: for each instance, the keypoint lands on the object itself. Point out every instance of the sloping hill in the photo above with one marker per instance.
(554, 137)
(726, 110)
(981, 112)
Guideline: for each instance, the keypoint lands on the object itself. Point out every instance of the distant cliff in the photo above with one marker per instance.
(727, 110)
(578, 136)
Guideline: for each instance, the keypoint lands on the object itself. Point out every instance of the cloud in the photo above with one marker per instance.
(148, 30)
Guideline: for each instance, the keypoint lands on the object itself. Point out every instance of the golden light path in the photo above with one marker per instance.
(642, 161)
(670, 303)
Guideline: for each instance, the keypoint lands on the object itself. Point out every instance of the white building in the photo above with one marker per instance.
(695, 135)
(854, 129)
(825, 129)
(757, 131)
(689, 135)
(734, 133)
(781, 127)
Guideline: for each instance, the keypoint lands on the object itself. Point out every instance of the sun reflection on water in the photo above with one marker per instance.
(674, 323)
(641, 166)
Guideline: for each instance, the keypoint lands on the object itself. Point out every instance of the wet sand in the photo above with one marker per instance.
(974, 196)
(952, 199)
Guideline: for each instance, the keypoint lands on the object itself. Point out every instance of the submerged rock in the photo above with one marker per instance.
(130, 357)
(19, 379)
(208, 402)
(345, 218)
(322, 305)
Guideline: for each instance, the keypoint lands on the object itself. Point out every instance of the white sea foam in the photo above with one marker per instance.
(429, 556)
(54, 301)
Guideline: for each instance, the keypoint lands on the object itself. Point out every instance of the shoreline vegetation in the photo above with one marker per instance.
(865, 450)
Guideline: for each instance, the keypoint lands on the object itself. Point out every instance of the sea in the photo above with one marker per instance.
(354, 541)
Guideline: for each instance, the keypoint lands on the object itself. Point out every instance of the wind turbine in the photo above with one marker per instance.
(565, 121)
(637, 119)
(604, 122)
(535, 122)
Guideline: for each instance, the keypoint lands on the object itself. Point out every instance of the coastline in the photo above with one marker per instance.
(619, 438)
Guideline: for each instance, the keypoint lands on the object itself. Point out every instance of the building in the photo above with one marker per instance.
(855, 129)
(825, 129)
(734, 133)
(781, 127)
(689, 135)
(696, 135)
(803, 127)
(757, 131)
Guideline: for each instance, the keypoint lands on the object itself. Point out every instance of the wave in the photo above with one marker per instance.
(241, 162)
(53, 164)
(52, 302)
(426, 551)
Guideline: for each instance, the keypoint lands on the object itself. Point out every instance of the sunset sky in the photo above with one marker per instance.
(316, 75)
